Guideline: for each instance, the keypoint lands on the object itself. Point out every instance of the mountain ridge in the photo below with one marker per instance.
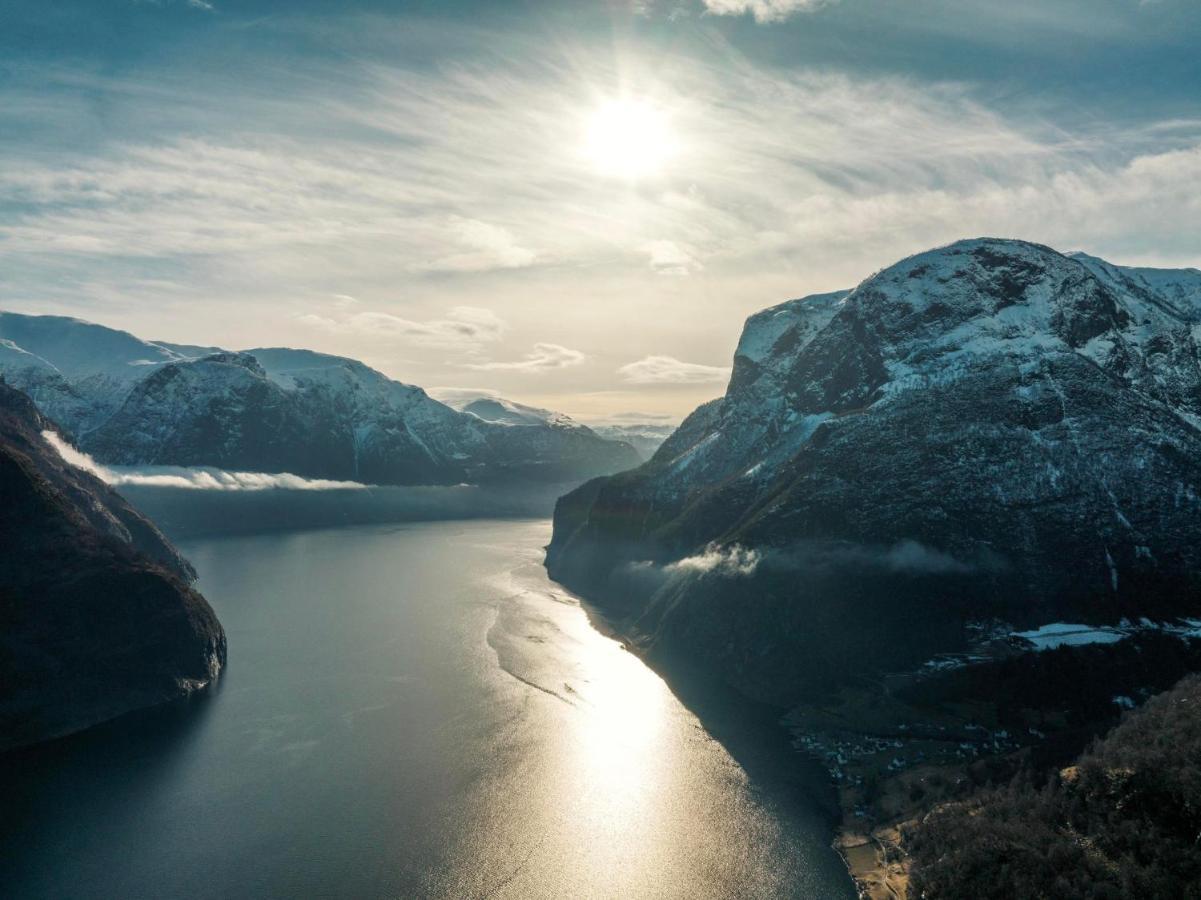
(133, 402)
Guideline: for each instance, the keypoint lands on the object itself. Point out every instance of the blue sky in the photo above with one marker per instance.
(418, 184)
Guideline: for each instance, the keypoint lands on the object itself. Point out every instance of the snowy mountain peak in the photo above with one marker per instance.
(81, 349)
(506, 412)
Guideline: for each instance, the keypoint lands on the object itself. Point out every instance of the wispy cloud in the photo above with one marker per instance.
(458, 397)
(669, 370)
(764, 10)
(669, 258)
(481, 247)
(543, 358)
(200, 479)
(463, 327)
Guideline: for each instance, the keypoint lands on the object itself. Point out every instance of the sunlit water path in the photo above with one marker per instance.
(409, 711)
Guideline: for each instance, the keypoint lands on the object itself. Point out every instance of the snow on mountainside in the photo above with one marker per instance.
(80, 371)
(132, 402)
(506, 412)
(986, 430)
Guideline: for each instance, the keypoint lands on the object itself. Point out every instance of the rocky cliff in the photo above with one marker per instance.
(97, 614)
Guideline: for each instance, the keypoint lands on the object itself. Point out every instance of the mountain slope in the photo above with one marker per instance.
(98, 618)
(1121, 823)
(987, 431)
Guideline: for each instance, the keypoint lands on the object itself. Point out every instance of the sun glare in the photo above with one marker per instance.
(629, 139)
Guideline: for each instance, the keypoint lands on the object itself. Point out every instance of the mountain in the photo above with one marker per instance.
(77, 372)
(98, 615)
(645, 437)
(133, 402)
(551, 443)
(506, 412)
(987, 437)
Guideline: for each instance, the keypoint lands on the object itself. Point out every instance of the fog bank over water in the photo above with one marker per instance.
(201, 478)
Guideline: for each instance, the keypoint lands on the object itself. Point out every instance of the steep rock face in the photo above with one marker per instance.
(98, 618)
(134, 402)
(986, 431)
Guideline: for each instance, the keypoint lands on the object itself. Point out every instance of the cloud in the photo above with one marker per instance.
(669, 258)
(205, 479)
(764, 10)
(731, 561)
(487, 247)
(543, 358)
(669, 370)
(463, 326)
(458, 397)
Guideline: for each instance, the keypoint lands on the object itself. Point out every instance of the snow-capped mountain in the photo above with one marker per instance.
(989, 430)
(645, 437)
(77, 372)
(132, 402)
(523, 437)
(506, 412)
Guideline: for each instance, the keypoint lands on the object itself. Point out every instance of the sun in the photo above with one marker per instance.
(629, 138)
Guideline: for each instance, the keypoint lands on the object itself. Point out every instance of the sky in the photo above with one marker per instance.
(571, 204)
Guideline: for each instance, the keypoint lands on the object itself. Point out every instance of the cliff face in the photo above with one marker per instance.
(990, 432)
(96, 614)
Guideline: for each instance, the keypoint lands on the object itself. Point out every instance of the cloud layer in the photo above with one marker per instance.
(464, 327)
(669, 370)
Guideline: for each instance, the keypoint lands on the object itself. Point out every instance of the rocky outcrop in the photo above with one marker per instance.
(987, 431)
(98, 615)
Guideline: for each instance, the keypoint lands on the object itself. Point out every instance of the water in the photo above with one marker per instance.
(408, 711)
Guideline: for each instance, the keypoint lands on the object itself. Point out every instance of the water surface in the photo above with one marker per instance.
(408, 711)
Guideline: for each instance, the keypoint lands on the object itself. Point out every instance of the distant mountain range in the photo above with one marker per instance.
(98, 614)
(644, 437)
(128, 401)
(990, 432)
